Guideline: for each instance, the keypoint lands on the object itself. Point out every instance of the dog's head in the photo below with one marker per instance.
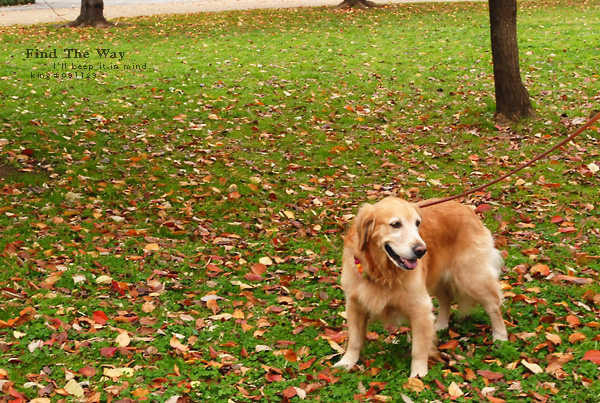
(389, 230)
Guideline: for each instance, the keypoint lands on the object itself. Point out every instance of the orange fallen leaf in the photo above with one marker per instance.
(577, 336)
(151, 247)
(176, 344)
(24, 316)
(450, 345)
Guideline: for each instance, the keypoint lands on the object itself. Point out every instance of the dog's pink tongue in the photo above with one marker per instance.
(410, 264)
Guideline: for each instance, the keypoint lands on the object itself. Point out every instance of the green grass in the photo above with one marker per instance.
(236, 137)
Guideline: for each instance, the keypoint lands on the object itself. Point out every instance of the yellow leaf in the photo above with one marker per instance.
(454, 390)
(123, 339)
(139, 392)
(74, 389)
(414, 384)
(116, 373)
(336, 346)
(152, 247)
(536, 369)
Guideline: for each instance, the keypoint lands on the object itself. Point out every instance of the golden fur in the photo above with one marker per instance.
(405, 254)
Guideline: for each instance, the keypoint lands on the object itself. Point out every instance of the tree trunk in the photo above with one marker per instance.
(357, 4)
(91, 15)
(512, 99)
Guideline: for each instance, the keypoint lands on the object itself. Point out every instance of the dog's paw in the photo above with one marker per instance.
(345, 364)
(499, 336)
(441, 325)
(418, 370)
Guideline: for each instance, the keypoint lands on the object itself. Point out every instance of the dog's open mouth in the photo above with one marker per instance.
(408, 264)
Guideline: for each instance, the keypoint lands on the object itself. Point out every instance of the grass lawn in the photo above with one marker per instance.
(175, 191)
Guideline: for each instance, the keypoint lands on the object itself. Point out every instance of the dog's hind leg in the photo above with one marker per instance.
(444, 297)
(481, 286)
(492, 306)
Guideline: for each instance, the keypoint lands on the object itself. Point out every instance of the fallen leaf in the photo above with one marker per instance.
(489, 375)
(450, 345)
(104, 279)
(454, 390)
(116, 373)
(99, 317)
(577, 336)
(87, 371)
(151, 247)
(554, 338)
(123, 339)
(533, 367)
(176, 344)
(593, 356)
(414, 384)
(74, 389)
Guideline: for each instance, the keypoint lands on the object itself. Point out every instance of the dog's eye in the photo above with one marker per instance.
(418, 223)
(396, 224)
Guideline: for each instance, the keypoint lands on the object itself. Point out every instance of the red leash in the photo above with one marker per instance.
(514, 171)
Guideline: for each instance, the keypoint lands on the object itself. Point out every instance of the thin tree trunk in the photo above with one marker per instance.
(357, 4)
(91, 15)
(512, 99)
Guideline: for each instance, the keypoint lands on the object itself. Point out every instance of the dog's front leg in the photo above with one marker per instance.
(357, 330)
(423, 334)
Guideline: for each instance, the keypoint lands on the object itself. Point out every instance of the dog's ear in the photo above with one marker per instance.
(365, 225)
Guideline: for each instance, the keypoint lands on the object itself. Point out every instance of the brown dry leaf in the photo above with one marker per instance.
(554, 338)
(176, 344)
(148, 307)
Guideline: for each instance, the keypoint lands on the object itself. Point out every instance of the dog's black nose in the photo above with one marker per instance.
(420, 250)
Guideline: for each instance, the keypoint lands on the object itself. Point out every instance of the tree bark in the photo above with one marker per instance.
(357, 4)
(512, 99)
(91, 15)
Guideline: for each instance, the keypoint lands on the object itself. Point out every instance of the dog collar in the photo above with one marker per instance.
(359, 269)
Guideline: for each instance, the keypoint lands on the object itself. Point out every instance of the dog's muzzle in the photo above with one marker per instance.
(407, 264)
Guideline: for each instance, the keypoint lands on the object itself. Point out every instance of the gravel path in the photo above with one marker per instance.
(57, 11)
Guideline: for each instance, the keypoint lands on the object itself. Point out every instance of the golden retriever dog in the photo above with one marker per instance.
(396, 255)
